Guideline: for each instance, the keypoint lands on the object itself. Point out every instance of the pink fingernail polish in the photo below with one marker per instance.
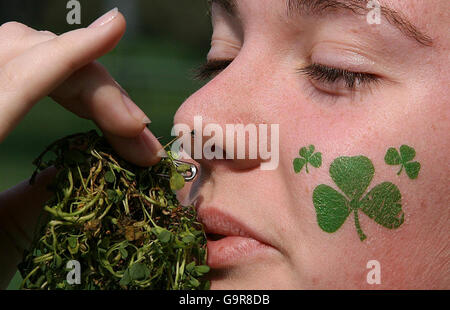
(135, 111)
(106, 18)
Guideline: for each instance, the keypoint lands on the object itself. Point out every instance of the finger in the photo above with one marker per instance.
(142, 150)
(92, 93)
(45, 66)
(21, 205)
(16, 38)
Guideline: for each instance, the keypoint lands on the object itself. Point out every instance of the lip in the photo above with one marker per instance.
(238, 244)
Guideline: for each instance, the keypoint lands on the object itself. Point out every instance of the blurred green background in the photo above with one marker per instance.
(165, 41)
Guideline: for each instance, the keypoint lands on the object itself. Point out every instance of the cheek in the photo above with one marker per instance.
(339, 260)
(406, 254)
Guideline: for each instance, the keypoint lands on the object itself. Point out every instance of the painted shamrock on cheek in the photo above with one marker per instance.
(307, 156)
(404, 159)
(353, 175)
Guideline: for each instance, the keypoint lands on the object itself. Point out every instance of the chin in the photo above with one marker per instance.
(263, 276)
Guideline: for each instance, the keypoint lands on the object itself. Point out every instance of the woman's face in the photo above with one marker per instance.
(331, 77)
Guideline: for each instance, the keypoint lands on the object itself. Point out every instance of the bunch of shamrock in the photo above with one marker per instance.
(121, 223)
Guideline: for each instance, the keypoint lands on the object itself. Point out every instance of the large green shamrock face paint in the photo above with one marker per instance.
(353, 175)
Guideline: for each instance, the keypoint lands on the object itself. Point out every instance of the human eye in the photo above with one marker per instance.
(226, 42)
(211, 68)
(338, 81)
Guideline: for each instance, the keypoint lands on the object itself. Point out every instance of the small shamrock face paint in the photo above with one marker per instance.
(404, 159)
(353, 175)
(307, 157)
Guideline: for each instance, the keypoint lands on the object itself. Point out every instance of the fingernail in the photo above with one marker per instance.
(135, 111)
(151, 142)
(162, 153)
(106, 18)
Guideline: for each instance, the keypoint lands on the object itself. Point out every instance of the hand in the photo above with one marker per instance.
(34, 64)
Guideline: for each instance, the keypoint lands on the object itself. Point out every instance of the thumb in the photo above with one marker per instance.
(35, 73)
(20, 208)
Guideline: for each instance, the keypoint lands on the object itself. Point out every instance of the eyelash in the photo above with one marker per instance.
(331, 75)
(211, 68)
(315, 72)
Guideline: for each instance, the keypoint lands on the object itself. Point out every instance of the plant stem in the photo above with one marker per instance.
(22, 285)
(361, 234)
(400, 171)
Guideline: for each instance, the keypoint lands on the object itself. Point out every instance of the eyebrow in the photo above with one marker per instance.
(320, 7)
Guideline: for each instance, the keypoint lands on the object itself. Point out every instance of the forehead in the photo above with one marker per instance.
(420, 19)
(426, 14)
(414, 7)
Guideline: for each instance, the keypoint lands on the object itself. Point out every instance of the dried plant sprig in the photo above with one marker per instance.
(122, 223)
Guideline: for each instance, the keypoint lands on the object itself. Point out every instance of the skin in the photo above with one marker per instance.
(407, 106)
(74, 80)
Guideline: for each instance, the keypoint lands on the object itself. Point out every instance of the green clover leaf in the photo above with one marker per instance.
(353, 175)
(176, 181)
(308, 157)
(139, 271)
(136, 272)
(382, 204)
(404, 158)
(164, 236)
(110, 177)
(331, 207)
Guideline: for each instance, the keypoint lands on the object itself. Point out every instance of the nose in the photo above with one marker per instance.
(229, 127)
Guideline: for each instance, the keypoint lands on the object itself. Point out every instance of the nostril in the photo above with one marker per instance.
(224, 153)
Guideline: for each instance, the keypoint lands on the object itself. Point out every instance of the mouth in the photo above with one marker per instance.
(229, 241)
